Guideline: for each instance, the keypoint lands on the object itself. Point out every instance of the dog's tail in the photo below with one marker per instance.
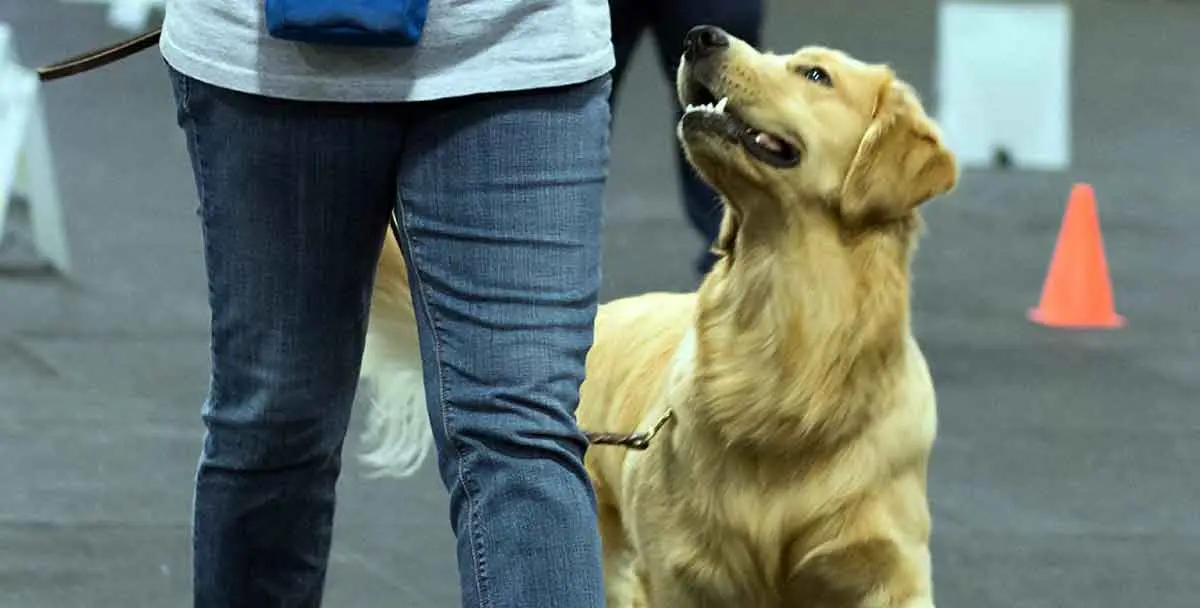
(397, 438)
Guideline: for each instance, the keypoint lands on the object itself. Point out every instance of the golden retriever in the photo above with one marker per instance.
(800, 412)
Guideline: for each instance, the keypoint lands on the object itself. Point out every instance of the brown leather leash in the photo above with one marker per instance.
(633, 441)
(103, 56)
(100, 57)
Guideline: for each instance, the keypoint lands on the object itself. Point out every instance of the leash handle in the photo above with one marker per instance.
(99, 57)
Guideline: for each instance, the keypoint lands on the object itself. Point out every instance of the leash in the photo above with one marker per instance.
(103, 56)
(100, 57)
(633, 441)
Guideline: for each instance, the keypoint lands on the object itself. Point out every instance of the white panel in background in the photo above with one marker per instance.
(1004, 82)
(128, 15)
(26, 164)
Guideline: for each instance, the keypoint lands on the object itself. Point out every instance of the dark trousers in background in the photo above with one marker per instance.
(670, 20)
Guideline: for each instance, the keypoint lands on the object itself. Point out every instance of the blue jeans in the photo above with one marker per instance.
(670, 21)
(500, 201)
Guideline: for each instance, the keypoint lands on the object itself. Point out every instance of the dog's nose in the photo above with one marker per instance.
(704, 40)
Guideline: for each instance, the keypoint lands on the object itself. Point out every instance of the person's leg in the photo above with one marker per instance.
(501, 211)
(671, 21)
(629, 19)
(294, 200)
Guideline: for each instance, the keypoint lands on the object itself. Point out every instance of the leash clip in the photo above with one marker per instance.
(633, 441)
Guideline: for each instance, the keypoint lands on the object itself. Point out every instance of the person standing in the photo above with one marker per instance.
(670, 21)
(488, 137)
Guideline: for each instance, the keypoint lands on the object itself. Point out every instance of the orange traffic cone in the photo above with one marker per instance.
(1078, 292)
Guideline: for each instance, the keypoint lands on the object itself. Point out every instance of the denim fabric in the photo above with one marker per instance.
(670, 21)
(501, 216)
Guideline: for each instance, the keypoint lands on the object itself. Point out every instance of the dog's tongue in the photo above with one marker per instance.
(768, 142)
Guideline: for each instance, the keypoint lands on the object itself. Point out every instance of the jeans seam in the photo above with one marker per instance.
(464, 477)
(202, 172)
(192, 133)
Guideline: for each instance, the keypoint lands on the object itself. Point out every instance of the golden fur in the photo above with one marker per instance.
(793, 471)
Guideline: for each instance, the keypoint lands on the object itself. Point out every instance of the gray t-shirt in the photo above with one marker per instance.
(467, 47)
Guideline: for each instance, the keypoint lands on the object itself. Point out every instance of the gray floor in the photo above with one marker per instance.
(1065, 471)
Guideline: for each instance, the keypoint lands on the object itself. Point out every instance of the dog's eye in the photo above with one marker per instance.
(817, 75)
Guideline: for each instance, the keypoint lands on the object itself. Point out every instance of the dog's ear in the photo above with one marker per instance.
(901, 161)
(727, 235)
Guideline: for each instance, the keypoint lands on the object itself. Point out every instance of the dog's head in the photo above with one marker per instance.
(816, 127)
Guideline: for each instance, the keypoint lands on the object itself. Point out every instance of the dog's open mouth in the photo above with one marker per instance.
(705, 111)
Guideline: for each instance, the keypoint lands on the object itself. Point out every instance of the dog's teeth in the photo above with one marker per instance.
(718, 108)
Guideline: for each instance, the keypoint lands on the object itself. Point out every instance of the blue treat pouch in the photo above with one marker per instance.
(377, 23)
